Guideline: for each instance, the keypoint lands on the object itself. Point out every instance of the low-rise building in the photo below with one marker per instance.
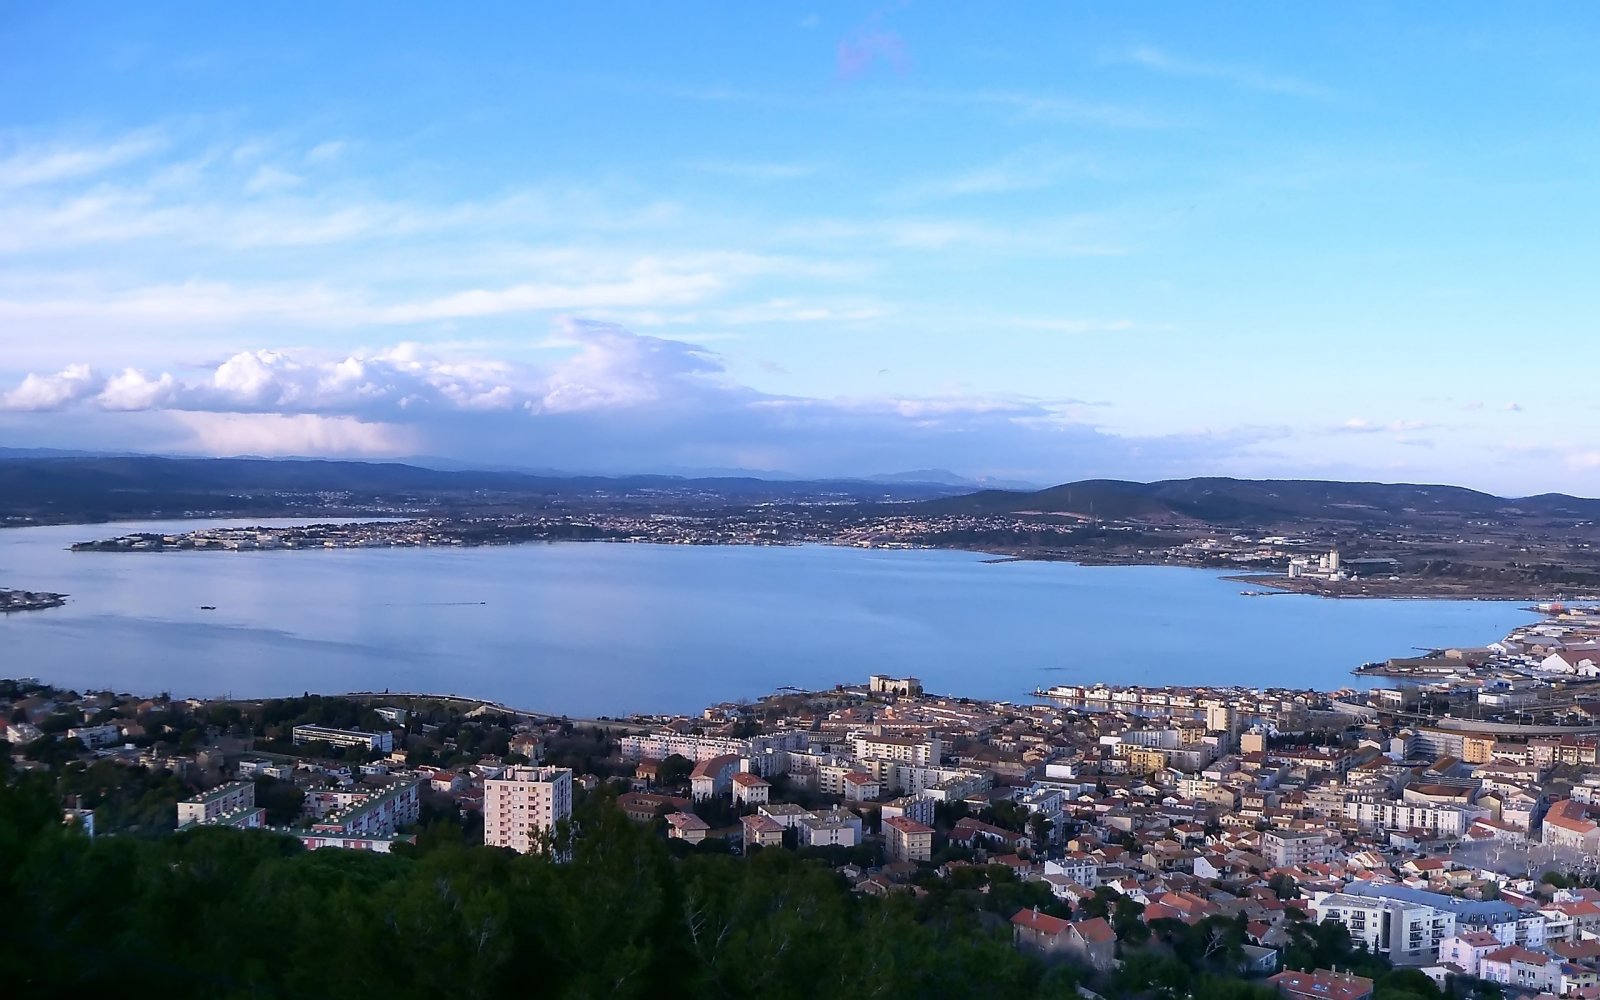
(1322, 984)
(1039, 932)
(859, 787)
(95, 737)
(1521, 968)
(379, 742)
(688, 827)
(762, 831)
(644, 807)
(377, 845)
(1569, 824)
(713, 776)
(750, 789)
(836, 828)
(1466, 950)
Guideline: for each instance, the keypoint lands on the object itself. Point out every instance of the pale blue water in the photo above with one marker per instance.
(612, 628)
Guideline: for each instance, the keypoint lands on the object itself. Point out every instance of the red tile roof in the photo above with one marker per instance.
(1043, 923)
(1323, 985)
(711, 767)
(1095, 930)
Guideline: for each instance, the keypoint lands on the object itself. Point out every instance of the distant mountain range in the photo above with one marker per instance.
(1266, 502)
(919, 477)
(107, 487)
(96, 487)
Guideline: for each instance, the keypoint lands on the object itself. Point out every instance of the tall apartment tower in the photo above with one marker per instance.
(523, 804)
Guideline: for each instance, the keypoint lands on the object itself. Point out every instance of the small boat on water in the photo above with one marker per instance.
(208, 607)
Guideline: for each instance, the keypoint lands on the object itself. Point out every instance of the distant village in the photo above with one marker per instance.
(1463, 849)
(1389, 563)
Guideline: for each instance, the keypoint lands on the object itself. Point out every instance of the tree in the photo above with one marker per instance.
(1126, 919)
(281, 799)
(621, 918)
(674, 771)
(1039, 827)
(1284, 886)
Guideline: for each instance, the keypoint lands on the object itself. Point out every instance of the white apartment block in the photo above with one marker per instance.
(1159, 739)
(1293, 848)
(95, 737)
(1439, 820)
(377, 845)
(379, 813)
(911, 807)
(523, 804)
(907, 840)
(208, 807)
(380, 741)
(917, 779)
(1509, 925)
(660, 746)
(1077, 867)
(839, 827)
(925, 752)
(1405, 933)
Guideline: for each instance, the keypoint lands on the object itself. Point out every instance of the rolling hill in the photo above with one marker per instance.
(1262, 502)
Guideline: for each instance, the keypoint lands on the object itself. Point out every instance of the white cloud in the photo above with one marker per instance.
(133, 390)
(275, 434)
(1150, 57)
(49, 164)
(52, 392)
(325, 152)
(753, 171)
(594, 284)
(1029, 170)
(269, 179)
(616, 400)
(1361, 425)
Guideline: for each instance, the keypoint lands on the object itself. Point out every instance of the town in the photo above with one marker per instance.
(1117, 830)
(1325, 560)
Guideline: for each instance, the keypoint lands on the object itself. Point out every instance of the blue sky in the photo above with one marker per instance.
(1045, 243)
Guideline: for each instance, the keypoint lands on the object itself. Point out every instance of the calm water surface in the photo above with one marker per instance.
(611, 628)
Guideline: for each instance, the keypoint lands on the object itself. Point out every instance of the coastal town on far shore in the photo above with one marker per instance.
(1449, 824)
(1402, 563)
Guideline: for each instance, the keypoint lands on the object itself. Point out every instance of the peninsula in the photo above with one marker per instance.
(29, 600)
(1384, 540)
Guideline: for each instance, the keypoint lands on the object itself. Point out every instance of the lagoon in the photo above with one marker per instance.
(603, 628)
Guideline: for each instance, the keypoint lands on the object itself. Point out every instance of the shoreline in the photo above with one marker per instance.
(1274, 583)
